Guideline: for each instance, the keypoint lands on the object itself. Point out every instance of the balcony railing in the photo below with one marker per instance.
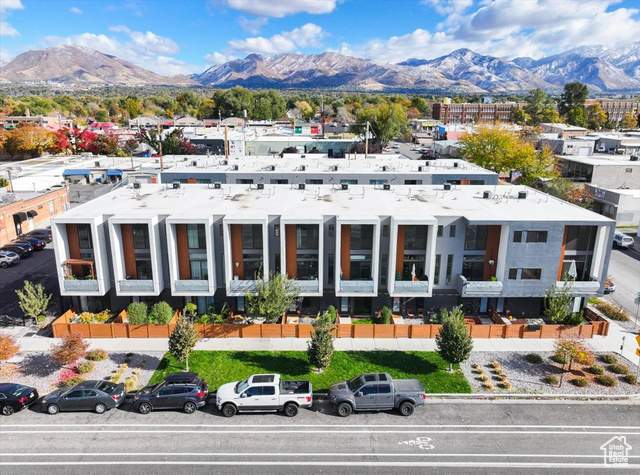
(89, 285)
(580, 287)
(242, 286)
(308, 285)
(192, 285)
(478, 288)
(411, 286)
(135, 286)
(356, 286)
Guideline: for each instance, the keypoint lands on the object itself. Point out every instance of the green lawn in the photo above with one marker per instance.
(219, 367)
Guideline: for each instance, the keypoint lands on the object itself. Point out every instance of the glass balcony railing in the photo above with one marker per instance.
(478, 288)
(579, 287)
(356, 286)
(242, 286)
(409, 286)
(192, 285)
(308, 285)
(89, 285)
(135, 286)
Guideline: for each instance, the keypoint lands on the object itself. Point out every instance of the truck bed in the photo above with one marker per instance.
(295, 387)
(408, 386)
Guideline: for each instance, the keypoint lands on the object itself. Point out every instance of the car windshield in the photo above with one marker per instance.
(18, 390)
(355, 383)
(106, 386)
(241, 386)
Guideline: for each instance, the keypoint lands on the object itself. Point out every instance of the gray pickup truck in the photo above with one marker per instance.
(376, 392)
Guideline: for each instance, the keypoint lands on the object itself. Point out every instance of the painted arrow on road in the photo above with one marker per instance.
(422, 442)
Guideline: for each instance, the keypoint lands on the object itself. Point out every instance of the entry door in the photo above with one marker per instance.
(72, 401)
(366, 397)
(252, 399)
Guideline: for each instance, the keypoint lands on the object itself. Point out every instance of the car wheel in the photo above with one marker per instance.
(100, 408)
(406, 408)
(7, 410)
(229, 410)
(4, 265)
(190, 407)
(53, 409)
(144, 408)
(291, 410)
(344, 409)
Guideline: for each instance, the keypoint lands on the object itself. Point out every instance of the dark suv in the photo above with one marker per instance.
(178, 391)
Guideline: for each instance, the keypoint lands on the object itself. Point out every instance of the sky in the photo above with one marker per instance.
(188, 36)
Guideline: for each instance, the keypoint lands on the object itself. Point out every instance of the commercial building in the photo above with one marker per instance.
(474, 113)
(603, 170)
(357, 247)
(622, 205)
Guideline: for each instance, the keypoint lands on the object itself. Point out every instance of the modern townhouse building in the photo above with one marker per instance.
(357, 247)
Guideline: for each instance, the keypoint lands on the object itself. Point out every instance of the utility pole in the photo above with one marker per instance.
(322, 117)
(160, 147)
(366, 142)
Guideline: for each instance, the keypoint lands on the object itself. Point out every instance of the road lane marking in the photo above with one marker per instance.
(236, 426)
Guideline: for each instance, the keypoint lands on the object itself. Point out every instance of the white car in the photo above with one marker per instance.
(622, 240)
(8, 258)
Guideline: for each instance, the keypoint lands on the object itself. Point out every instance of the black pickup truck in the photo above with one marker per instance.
(376, 392)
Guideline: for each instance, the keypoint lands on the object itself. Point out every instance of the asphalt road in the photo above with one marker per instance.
(624, 268)
(444, 437)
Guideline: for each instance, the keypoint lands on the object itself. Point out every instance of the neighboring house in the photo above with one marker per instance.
(569, 146)
(563, 131)
(355, 247)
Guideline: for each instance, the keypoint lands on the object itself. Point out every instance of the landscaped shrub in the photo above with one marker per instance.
(580, 382)
(611, 311)
(618, 368)
(71, 349)
(384, 316)
(574, 350)
(483, 377)
(503, 377)
(85, 317)
(494, 364)
(161, 313)
(609, 358)
(85, 367)
(488, 386)
(137, 313)
(606, 380)
(130, 383)
(505, 385)
(332, 313)
(552, 379)
(630, 378)
(475, 365)
(479, 371)
(534, 358)
(72, 381)
(96, 355)
(596, 369)
(8, 347)
(559, 359)
(102, 317)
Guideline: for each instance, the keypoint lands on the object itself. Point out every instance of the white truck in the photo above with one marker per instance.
(264, 393)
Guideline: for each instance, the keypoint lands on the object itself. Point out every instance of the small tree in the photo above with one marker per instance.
(557, 304)
(8, 347)
(182, 340)
(572, 349)
(273, 297)
(70, 349)
(32, 299)
(320, 347)
(454, 342)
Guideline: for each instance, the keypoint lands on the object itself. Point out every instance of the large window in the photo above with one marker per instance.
(361, 237)
(143, 267)
(307, 266)
(140, 236)
(531, 274)
(199, 269)
(251, 236)
(360, 267)
(473, 267)
(307, 236)
(581, 238)
(84, 236)
(415, 238)
(475, 238)
(536, 236)
(449, 269)
(196, 236)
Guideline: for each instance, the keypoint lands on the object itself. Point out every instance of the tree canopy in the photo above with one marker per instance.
(571, 103)
(386, 121)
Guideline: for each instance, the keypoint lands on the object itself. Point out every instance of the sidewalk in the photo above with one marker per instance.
(610, 343)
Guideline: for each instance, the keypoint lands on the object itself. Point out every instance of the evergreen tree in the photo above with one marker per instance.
(454, 342)
(320, 347)
(182, 340)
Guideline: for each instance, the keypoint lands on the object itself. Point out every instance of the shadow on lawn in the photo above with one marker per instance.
(399, 361)
(274, 363)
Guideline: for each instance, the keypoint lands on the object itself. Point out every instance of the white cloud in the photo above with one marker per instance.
(218, 58)
(150, 43)
(308, 35)
(5, 28)
(75, 10)
(252, 27)
(282, 8)
(447, 7)
(120, 29)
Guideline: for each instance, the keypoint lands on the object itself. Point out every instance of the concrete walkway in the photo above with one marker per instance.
(612, 343)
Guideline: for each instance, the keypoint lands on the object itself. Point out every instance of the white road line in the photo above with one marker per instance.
(475, 464)
(421, 431)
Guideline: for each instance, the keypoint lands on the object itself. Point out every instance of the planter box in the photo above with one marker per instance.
(305, 330)
(251, 331)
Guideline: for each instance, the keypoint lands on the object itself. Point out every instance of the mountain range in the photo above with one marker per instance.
(463, 70)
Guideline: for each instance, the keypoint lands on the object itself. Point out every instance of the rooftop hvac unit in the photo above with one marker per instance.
(522, 195)
(455, 164)
(303, 168)
(97, 164)
(224, 162)
(176, 186)
(447, 186)
(384, 168)
(136, 185)
(303, 156)
(344, 186)
(386, 186)
(634, 158)
(194, 163)
(217, 185)
(302, 186)
(271, 168)
(420, 168)
(234, 168)
(486, 195)
(334, 168)
(260, 186)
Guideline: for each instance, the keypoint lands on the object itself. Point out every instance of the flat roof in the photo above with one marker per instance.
(601, 160)
(359, 201)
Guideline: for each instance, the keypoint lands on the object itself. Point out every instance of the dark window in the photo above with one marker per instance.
(384, 389)
(307, 236)
(385, 230)
(349, 181)
(331, 260)
(517, 236)
(475, 238)
(361, 236)
(473, 267)
(449, 268)
(536, 236)
(74, 394)
(268, 390)
(384, 267)
(84, 236)
(251, 236)
(581, 238)
(314, 181)
(436, 277)
(415, 238)
(254, 391)
(366, 390)
(140, 236)
(165, 392)
(332, 230)
(244, 181)
(513, 274)
(440, 230)
(413, 182)
(196, 236)
(452, 231)
(143, 267)
(531, 274)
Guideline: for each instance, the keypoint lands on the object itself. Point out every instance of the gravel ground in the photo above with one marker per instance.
(37, 369)
(527, 377)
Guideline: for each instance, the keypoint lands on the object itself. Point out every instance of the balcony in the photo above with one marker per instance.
(579, 287)
(240, 287)
(478, 288)
(89, 285)
(356, 286)
(192, 285)
(308, 285)
(135, 286)
(411, 287)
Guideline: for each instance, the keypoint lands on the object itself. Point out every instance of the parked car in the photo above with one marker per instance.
(184, 391)
(43, 234)
(20, 249)
(14, 397)
(376, 392)
(264, 393)
(8, 258)
(37, 244)
(609, 287)
(622, 240)
(98, 396)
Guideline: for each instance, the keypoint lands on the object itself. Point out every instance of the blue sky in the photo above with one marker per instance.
(187, 36)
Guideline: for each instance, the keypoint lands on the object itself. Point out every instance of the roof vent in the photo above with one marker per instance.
(386, 186)
(522, 195)
(271, 168)
(455, 164)
(194, 163)
(486, 195)
(384, 168)
(447, 186)
(344, 186)
(420, 168)
(260, 186)
(217, 185)
(136, 185)
(301, 186)
(333, 168)
(176, 186)
(303, 168)
(633, 158)
(224, 162)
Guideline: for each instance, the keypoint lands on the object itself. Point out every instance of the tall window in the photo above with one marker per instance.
(436, 277)
(384, 267)
(140, 236)
(449, 269)
(362, 236)
(475, 238)
(307, 236)
(415, 238)
(84, 236)
(473, 267)
(331, 262)
(452, 231)
(197, 243)
(581, 238)
(196, 236)
(251, 236)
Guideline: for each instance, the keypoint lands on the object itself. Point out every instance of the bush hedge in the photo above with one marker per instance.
(97, 355)
(608, 358)
(69, 382)
(85, 367)
(611, 311)
(596, 369)
(618, 368)
(552, 379)
(161, 313)
(137, 313)
(630, 378)
(580, 382)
